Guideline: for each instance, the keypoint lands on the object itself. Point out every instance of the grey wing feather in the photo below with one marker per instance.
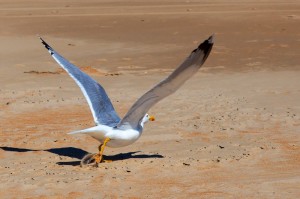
(99, 103)
(168, 86)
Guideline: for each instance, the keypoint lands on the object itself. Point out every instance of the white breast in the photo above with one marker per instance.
(120, 138)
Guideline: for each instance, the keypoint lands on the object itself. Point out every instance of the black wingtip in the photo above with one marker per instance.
(206, 45)
(46, 45)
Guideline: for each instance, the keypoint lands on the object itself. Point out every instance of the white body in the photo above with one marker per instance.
(118, 138)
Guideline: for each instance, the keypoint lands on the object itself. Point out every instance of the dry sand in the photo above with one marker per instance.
(232, 131)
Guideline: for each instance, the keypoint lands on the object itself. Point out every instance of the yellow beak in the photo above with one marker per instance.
(151, 118)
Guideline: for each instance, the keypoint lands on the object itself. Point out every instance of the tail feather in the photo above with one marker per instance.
(75, 132)
(93, 132)
(88, 130)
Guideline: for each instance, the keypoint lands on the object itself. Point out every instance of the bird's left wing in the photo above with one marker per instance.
(168, 86)
(99, 103)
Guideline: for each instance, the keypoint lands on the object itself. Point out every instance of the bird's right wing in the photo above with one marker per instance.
(100, 105)
(168, 86)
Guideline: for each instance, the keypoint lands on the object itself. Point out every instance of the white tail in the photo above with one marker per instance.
(88, 130)
(94, 132)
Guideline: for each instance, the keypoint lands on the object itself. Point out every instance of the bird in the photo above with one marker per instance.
(111, 130)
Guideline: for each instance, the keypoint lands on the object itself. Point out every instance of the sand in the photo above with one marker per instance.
(232, 131)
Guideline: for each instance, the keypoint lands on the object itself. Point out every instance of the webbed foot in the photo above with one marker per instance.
(95, 159)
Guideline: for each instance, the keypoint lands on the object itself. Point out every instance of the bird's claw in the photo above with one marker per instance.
(98, 158)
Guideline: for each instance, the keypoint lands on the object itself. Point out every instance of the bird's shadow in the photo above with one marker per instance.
(79, 154)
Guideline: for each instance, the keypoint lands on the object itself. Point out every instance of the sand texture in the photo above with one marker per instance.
(232, 131)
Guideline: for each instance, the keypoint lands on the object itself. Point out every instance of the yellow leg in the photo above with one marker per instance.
(99, 157)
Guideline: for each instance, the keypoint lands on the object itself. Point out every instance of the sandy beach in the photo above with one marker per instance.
(231, 131)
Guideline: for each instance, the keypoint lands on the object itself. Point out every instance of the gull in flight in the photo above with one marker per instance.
(110, 129)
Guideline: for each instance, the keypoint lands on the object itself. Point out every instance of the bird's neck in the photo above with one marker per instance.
(142, 123)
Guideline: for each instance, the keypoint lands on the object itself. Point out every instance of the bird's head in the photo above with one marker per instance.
(147, 118)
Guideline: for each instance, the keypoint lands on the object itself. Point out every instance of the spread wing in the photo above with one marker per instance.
(99, 103)
(168, 86)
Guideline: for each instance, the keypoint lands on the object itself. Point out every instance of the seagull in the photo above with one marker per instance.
(112, 131)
